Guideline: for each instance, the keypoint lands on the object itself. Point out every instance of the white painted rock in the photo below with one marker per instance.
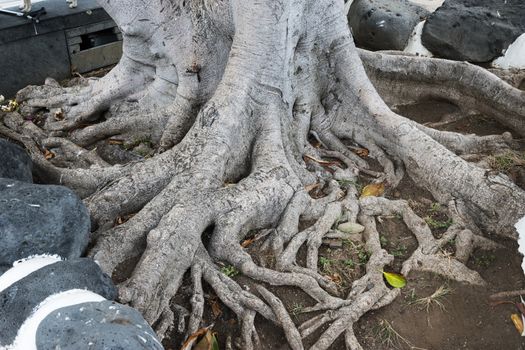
(514, 56)
(520, 227)
(415, 46)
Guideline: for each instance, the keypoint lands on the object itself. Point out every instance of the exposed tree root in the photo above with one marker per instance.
(234, 157)
(469, 87)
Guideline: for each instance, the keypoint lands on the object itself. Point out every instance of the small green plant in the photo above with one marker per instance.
(399, 251)
(347, 183)
(435, 207)
(389, 337)
(436, 298)
(296, 310)
(229, 271)
(438, 224)
(504, 162)
(484, 260)
(349, 263)
(130, 145)
(383, 240)
(325, 263)
(411, 297)
(363, 256)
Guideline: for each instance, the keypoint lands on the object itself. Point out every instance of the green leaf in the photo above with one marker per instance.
(396, 280)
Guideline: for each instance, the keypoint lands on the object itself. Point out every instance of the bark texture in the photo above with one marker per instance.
(229, 93)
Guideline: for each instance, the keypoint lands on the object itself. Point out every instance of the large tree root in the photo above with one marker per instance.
(233, 118)
(403, 79)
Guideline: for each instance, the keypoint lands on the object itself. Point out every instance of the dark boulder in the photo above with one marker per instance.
(474, 30)
(15, 162)
(96, 326)
(384, 24)
(40, 219)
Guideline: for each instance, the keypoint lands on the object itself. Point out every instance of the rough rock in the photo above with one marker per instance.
(19, 300)
(474, 30)
(40, 219)
(97, 326)
(384, 24)
(15, 163)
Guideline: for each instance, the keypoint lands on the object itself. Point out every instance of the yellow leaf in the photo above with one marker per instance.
(373, 190)
(48, 154)
(518, 322)
(396, 280)
(11, 106)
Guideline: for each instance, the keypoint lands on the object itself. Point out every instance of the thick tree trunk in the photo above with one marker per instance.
(229, 91)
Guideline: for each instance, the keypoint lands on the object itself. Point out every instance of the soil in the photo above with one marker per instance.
(460, 318)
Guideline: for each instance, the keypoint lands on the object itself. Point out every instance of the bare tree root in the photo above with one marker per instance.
(444, 174)
(428, 256)
(469, 87)
(84, 103)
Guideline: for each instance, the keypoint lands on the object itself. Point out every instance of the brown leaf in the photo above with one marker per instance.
(311, 187)
(192, 338)
(48, 154)
(375, 190)
(518, 322)
(208, 342)
(122, 219)
(336, 278)
(115, 142)
(320, 161)
(362, 152)
(59, 115)
(215, 308)
(247, 242)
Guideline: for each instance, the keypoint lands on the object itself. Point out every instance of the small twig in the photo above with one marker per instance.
(507, 294)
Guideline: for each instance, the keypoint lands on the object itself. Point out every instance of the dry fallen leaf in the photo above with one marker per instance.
(59, 115)
(215, 308)
(115, 142)
(193, 338)
(208, 342)
(311, 187)
(48, 154)
(336, 278)
(362, 152)
(320, 161)
(518, 322)
(375, 190)
(247, 242)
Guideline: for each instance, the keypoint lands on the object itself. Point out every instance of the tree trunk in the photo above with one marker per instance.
(230, 92)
